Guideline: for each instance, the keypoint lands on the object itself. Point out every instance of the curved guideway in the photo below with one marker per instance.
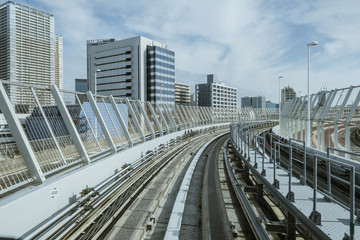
(152, 205)
(218, 223)
(204, 214)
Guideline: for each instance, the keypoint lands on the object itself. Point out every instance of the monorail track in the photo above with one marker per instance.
(91, 216)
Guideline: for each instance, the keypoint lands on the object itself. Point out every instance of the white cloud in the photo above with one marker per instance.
(247, 43)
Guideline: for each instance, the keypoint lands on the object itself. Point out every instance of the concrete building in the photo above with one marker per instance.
(253, 102)
(137, 68)
(271, 105)
(246, 102)
(213, 94)
(28, 51)
(182, 94)
(286, 94)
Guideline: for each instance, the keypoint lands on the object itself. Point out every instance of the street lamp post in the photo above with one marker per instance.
(95, 92)
(308, 127)
(280, 103)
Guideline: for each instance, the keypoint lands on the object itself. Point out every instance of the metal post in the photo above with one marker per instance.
(147, 121)
(290, 195)
(111, 120)
(315, 216)
(162, 118)
(186, 117)
(279, 160)
(101, 121)
(248, 136)
(70, 124)
(255, 150)
(20, 137)
(179, 126)
(304, 160)
(263, 171)
(48, 126)
(121, 120)
(328, 174)
(276, 183)
(156, 120)
(271, 148)
(338, 116)
(88, 122)
(352, 202)
(171, 119)
(137, 125)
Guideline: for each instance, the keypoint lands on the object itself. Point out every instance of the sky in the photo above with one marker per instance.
(248, 44)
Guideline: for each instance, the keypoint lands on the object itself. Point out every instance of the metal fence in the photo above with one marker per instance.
(54, 130)
(334, 119)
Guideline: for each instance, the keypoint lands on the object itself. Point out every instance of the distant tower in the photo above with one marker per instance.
(286, 94)
(27, 49)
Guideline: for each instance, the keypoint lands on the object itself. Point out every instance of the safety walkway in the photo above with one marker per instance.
(334, 218)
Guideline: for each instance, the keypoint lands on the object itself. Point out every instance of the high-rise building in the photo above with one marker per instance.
(212, 94)
(246, 102)
(286, 94)
(137, 68)
(28, 51)
(253, 102)
(182, 94)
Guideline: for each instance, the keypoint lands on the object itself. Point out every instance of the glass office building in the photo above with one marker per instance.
(135, 68)
(161, 75)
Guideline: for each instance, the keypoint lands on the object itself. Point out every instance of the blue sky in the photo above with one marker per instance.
(247, 43)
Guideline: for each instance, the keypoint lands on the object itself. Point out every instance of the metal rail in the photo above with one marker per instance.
(174, 225)
(256, 225)
(283, 201)
(68, 220)
(109, 198)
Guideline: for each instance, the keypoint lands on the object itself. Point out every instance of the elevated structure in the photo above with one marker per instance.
(72, 138)
(335, 118)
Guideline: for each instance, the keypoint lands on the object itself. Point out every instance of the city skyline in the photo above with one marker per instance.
(248, 44)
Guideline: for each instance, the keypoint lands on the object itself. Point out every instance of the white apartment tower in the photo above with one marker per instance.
(182, 94)
(217, 95)
(136, 68)
(28, 51)
(286, 94)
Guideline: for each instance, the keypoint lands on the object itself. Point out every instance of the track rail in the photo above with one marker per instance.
(98, 207)
(256, 225)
